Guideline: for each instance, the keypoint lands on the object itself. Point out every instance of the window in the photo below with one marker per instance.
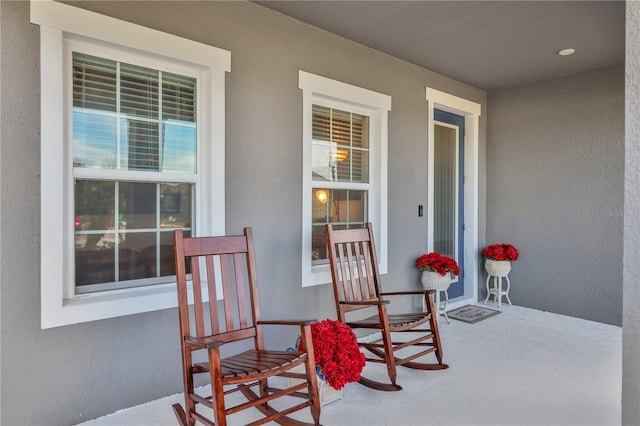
(340, 174)
(136, 151)
(344, 167)
(127, 119)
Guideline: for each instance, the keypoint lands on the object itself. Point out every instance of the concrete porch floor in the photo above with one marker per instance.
(521, 367)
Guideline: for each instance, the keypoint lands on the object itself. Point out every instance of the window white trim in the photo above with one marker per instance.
(52, 14)
(471, 112)
(318, 89)
(58, 23)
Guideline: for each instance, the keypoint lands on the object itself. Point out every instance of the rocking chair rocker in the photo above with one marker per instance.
(356, 286)
(204, 331)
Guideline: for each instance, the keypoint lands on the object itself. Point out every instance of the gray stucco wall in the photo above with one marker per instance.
(631, 313)
(555, 177)
(70, 374)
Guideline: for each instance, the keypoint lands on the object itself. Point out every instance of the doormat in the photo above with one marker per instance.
(471, 313)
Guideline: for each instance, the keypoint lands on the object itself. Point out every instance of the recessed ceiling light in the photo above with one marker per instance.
(566, 52)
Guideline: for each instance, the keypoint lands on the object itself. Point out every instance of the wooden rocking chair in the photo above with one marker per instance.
(230, 262)
(356, 286)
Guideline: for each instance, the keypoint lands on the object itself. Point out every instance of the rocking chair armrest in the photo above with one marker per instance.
(298, 322)
(409, 292)
(366, 302)
(208, 342)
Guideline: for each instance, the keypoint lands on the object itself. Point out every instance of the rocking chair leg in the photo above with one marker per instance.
(374, 384)
(189, 407)
(433, 323)
(217, 389)
(389, 357)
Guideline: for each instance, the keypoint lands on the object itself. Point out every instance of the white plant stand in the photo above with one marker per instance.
(439, 283)
(498, 270)
(497, 290)
(442, 307)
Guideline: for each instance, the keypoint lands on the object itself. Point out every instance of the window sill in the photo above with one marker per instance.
(320, 274)
(97, 306)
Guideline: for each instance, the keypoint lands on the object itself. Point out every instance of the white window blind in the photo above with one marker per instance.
(132, 118)
(340, 145)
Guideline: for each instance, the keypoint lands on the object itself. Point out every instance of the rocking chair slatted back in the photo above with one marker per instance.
(229, 259)
(352, 253)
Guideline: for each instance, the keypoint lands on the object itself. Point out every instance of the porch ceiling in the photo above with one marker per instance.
(487, 44)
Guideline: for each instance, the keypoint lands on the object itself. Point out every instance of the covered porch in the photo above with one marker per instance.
(557, 175)
(522, 366)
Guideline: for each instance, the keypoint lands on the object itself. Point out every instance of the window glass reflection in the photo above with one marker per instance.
(123, 231)
(343, 208)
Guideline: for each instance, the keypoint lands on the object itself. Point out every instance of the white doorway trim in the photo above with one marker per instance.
(471, 112)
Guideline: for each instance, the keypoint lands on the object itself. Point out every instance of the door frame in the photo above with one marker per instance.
(471, 112)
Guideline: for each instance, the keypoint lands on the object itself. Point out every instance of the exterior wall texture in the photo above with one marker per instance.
(74, 373)
(555, 178)
(631, 313)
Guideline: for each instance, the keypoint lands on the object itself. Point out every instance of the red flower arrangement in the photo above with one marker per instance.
(437, 263)
(336, 352)
(501, 252)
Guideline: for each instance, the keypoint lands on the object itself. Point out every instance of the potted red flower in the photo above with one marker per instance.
(336, 352)
(499, 257)
(437, 270)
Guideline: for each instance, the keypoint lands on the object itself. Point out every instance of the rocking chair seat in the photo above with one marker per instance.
(395, 321)
(255, 363)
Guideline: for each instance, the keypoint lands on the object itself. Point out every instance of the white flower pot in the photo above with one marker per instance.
(434, 281)
(498, 268)
(326, 392)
